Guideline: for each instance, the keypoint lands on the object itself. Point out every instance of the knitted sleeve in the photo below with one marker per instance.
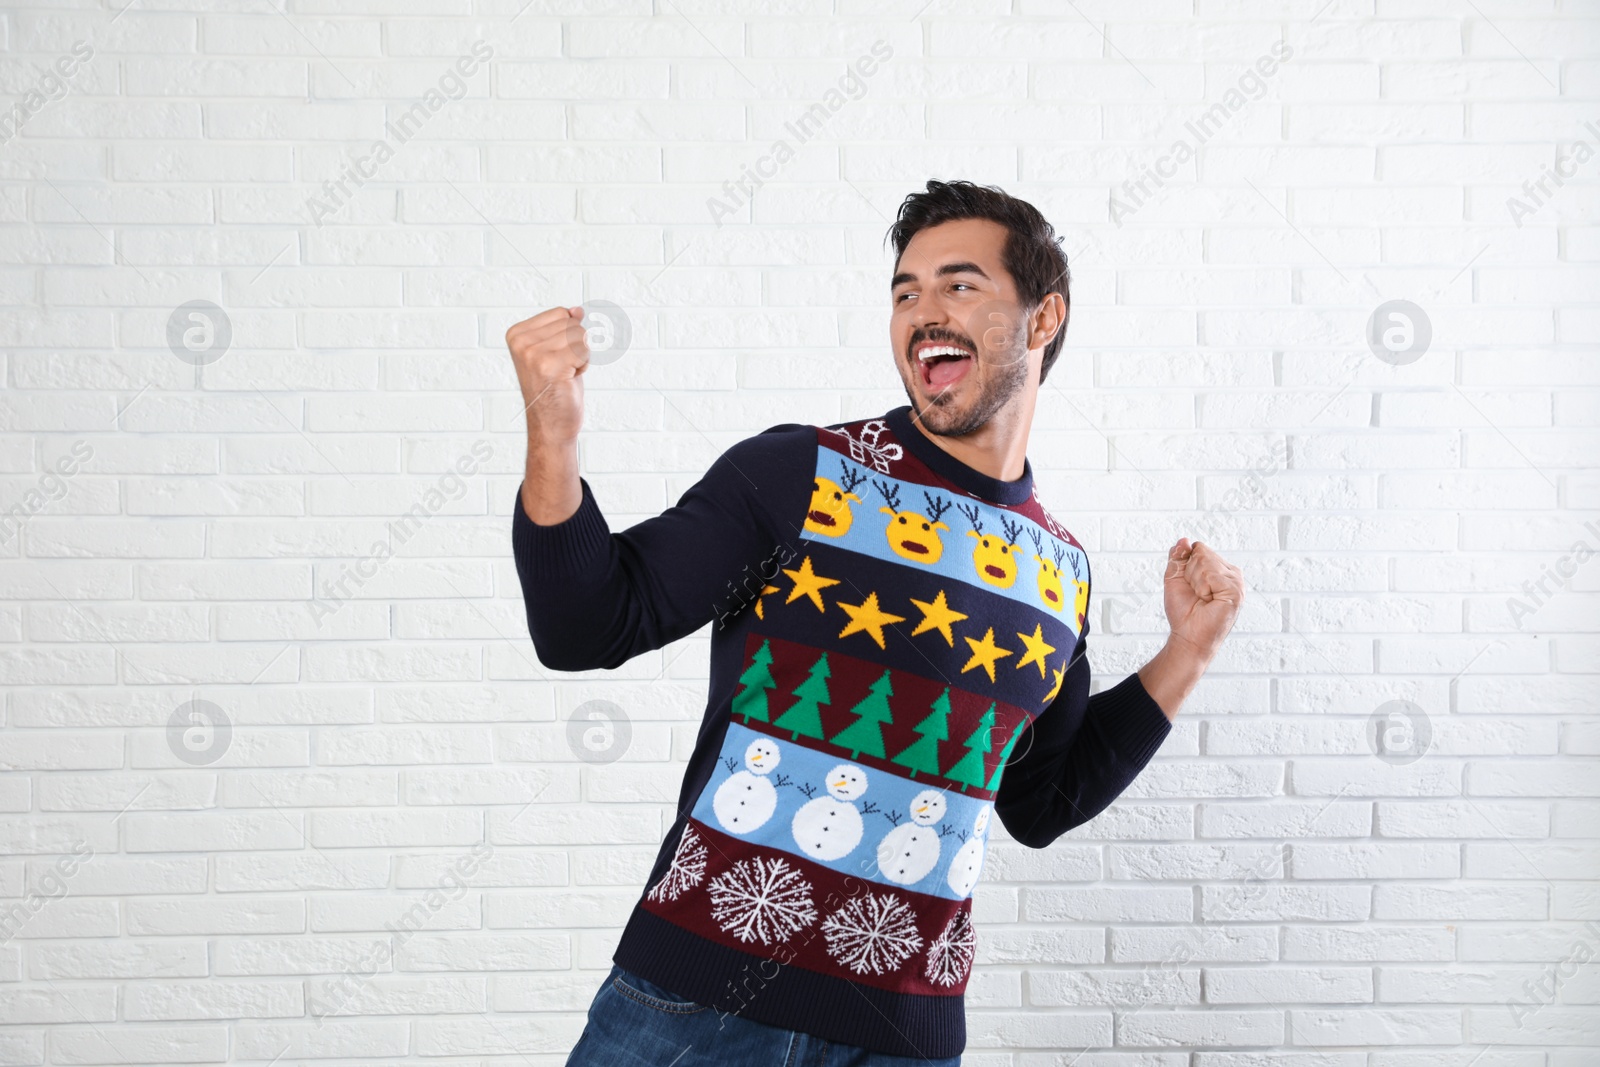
(1079, 754)
(596, 598)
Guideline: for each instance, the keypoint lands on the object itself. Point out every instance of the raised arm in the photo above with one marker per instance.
(1079, 754)
(1085, 750)
(596, 598)
(551, 352)
(1202, 593)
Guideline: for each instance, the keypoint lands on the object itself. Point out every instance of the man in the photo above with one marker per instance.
(909, 661)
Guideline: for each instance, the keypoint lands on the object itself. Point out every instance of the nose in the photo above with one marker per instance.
(929, 312)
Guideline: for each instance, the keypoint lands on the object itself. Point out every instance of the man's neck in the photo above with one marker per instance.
(998, 448)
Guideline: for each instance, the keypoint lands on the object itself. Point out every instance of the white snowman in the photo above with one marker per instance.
(909, 851)
(746, 800)
(968, 863)
(829, 827)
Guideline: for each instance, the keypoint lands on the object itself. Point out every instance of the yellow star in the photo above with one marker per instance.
(984, 652)
(1038, 649)
(937, 616)
(808, 583)
(1061, 674)
(867, 618)
(764, 592)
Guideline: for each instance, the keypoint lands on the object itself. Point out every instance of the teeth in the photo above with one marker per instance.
(941, 350)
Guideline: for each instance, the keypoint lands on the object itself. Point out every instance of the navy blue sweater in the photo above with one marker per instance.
(897, 651)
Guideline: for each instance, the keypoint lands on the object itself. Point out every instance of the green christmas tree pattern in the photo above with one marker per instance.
(866, 733)
(805, 716)
(1005, 754)
(968, 770)
(751, 701)
(922, 755)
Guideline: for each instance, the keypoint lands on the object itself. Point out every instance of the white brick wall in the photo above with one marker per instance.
(1270, 891)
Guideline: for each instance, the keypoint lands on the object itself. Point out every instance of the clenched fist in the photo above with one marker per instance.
(551, 352)
(1201, 594)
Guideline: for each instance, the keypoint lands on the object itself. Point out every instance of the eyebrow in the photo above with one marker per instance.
(949, 268)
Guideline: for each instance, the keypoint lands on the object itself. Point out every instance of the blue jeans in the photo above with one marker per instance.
(633, 1023)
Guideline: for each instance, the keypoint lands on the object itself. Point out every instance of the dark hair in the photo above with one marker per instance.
(1032, 253)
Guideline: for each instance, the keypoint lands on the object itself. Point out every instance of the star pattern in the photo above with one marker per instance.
(866, 617)
(985, 653)
(808, 583)
(1038, 648)
(869, 617)
(937, 616)
(1060, 675)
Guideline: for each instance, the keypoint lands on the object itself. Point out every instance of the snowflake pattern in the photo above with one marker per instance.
(688, 867)
(761, 899)
(873, 933)
(950, 954)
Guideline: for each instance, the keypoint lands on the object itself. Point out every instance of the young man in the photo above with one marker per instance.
(908, 663)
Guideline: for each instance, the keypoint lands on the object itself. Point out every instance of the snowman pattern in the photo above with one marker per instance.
(747, 799)
(968, 861)
(829, 828)
(908, 852)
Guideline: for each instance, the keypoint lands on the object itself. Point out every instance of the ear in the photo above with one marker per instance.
(888, 511)
(973, 533)
(852, 496)
(940, 526)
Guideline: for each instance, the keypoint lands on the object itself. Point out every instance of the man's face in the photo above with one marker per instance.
(957, 329)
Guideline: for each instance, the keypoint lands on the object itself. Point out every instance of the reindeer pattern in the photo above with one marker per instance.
(900, 520)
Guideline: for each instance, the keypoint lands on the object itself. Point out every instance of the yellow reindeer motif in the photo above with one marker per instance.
(994, 558)
(1080, 601)
(829, 512)
(913, 535)
(1049, 577)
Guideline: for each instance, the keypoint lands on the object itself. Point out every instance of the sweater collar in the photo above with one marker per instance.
(952, 469)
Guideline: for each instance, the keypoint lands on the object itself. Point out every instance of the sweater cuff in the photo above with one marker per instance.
(1130, 719)
(566, 547)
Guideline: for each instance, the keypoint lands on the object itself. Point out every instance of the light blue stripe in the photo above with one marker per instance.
(885, 792)
(869, 526)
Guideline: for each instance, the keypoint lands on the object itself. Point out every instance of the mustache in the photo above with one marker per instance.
(940, 337)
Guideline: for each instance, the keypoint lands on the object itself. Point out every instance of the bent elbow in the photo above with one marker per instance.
(566, 654)
(1024, 831)
(562, 655)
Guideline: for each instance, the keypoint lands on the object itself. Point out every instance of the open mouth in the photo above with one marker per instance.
(912, 546)
(942, 365)
(990, 568)
(821, 518)
(1051, 595)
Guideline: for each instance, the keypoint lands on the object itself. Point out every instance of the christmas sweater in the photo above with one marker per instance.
(898, 657)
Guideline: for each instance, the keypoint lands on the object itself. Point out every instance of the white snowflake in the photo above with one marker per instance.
(875, 933)
(687, 868)
(950, 954)
(762, 900)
